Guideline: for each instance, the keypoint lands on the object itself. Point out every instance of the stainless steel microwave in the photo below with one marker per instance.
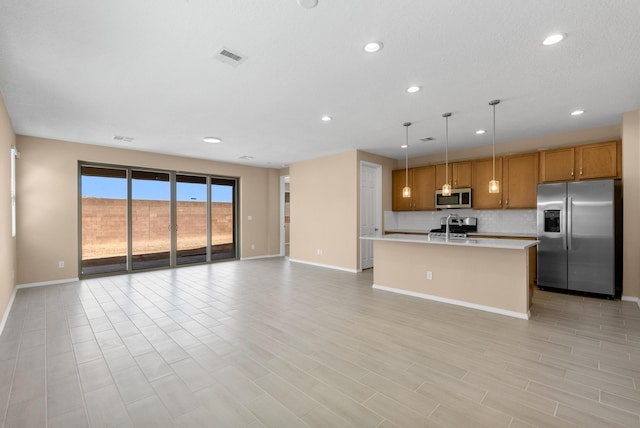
(459, 198)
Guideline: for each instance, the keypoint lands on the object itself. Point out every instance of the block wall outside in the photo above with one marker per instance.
(104, 226)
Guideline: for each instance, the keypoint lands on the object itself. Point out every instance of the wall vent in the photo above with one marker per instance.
(230, 57)
(245, 157)
(122, 138)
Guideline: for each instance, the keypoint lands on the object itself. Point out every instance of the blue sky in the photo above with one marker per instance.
(116, 188)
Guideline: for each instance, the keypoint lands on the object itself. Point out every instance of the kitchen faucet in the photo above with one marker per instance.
(447, 225)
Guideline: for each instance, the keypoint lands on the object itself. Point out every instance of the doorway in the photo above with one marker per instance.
(285, 215)
(370, 209)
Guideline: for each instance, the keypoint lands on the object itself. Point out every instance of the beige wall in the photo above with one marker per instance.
(325, 207)
(324, 210)
(631, 203)
(585, 136)
(7, 242)
(48, 202)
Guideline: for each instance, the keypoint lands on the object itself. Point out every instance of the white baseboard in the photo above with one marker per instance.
(5, 316)
(631, 299)
(499, 311)
(324, 266)
(261, 257)
(41, 284)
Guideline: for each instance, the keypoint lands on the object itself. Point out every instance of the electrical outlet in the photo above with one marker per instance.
(249, 217)
(253, 247)
(319, 251)
(61, 264)
(429, 275)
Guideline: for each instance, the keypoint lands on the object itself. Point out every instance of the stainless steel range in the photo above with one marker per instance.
(459, 227)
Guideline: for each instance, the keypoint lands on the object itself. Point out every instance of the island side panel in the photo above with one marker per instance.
(492, 277)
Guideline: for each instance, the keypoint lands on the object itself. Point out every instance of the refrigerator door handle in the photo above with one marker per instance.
(563, 223)
(569, 222)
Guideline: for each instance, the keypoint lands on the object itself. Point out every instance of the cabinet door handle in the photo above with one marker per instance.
(455, 182)
(507, 203)
(580, 170)
(572, 172)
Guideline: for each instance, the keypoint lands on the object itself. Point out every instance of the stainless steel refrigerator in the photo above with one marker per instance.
(580, 234)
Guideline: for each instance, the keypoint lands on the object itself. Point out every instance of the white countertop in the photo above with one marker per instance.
(505, 234)
(508, 244)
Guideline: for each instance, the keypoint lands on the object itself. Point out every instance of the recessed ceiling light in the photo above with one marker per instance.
(212, 140)
(308, 4)
(577, 112)
(404, 146)
(326, 118)
(480, 131)
(373, 47)
(413, 89)
(553, 39)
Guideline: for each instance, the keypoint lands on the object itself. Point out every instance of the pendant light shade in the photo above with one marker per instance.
(494, 185)
(406, 191)
(446, 187)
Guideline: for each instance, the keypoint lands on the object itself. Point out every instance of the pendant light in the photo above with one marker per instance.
(494, 185)
(446, 187)
(406, 191)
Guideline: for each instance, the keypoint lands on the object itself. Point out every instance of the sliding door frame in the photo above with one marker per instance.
(209, 179)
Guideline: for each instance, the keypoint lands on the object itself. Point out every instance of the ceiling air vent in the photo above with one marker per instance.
(425, 139)
(229, 57)
(122, 138)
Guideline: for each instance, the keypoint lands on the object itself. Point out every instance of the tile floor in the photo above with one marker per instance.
(271, 343)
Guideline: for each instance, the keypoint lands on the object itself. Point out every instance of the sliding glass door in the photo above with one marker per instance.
(223, 218)
(135, 219)
(151, 222)
(103, 208)
(191, 219)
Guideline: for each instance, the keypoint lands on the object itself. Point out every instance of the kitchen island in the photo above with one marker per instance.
(487, 274)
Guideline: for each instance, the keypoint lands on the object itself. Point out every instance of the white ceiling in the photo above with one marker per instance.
(86, 71)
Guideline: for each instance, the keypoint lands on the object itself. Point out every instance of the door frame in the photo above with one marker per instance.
(377, 205)
(283, 181)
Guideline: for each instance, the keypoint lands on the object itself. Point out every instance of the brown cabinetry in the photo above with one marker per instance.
(597, 161)
(520, 176)
(557, 165)
(588, 162)
(481, 174)
(422, 182)
(398, 203)
(459, 175)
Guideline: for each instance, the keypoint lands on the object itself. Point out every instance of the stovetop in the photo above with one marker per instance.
(458, 226)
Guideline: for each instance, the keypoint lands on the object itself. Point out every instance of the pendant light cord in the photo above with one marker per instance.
(446, 151)
(406, 158)
(494, 141)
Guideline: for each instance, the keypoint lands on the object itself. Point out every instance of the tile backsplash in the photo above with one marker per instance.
(497, 221)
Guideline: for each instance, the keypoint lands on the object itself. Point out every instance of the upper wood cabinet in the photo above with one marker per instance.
(422, 182)
(459, 174)
(398, 203)
(520, 176)
(557, 165)
(597, 161)
(481, 174)
(587, 162)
